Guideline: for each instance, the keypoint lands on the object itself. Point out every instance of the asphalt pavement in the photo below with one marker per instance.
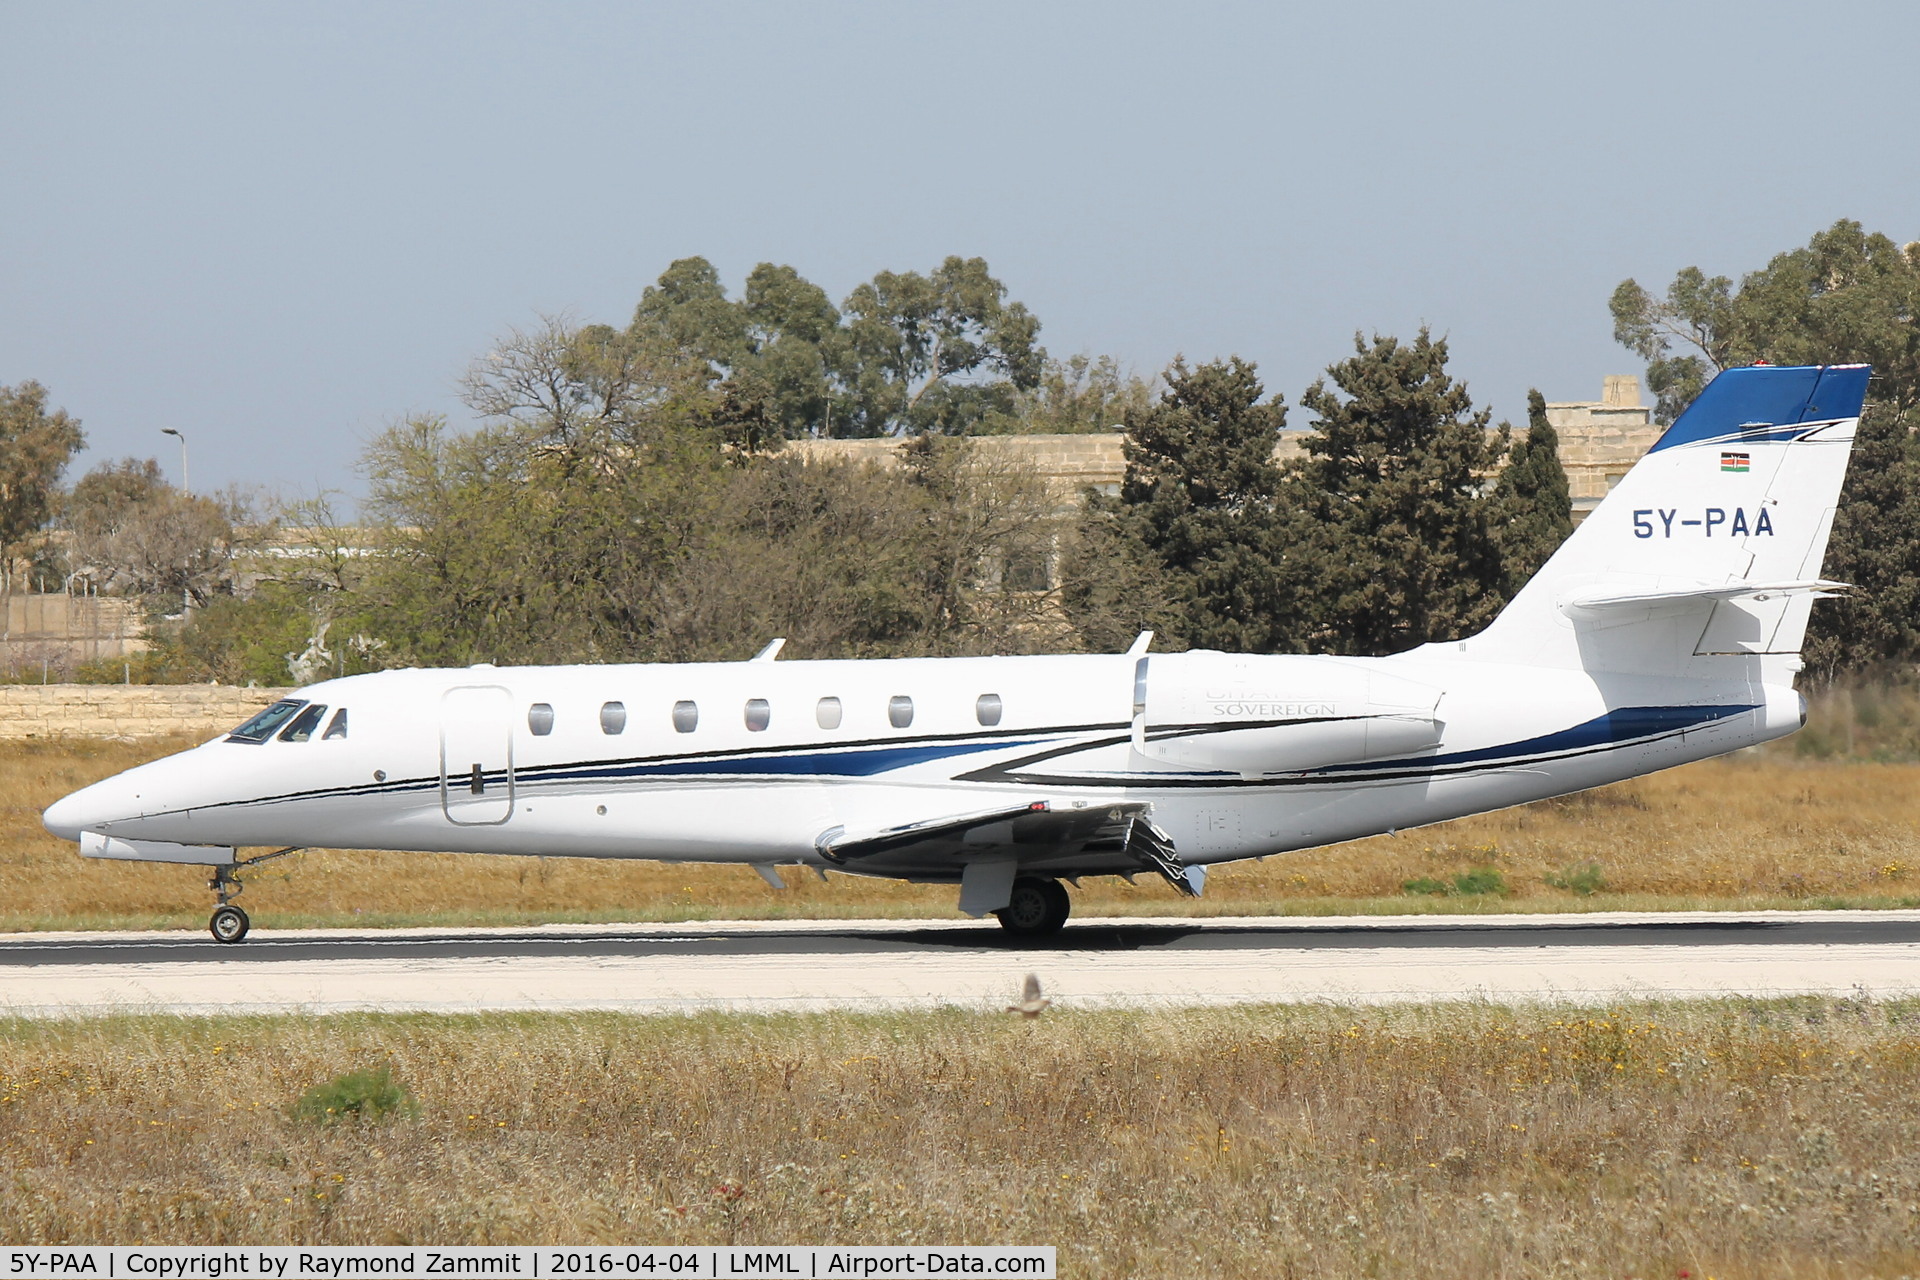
(887, 964)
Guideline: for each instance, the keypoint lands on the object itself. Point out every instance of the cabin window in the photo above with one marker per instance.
(613, 717)
(986, 708)
(540, 719)
(900, 711)
(826, 713)
(686, 717)
(759, 714)
(301, 727)
(337, 727)
(261, 727)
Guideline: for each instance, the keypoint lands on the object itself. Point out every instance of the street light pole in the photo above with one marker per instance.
(185, 486)
(186, 594)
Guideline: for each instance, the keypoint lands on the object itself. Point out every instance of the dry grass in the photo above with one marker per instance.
(1869, 721)
(1757, 830)
(1730, 1139)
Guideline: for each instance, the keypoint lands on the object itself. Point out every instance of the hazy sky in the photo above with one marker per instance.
(277, 227)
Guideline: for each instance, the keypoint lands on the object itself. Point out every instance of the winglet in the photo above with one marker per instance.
(1140, 644)
(771, 651)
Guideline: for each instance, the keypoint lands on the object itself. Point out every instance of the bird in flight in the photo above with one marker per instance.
(1031, 1002)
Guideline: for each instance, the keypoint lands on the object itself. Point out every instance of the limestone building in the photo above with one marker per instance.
(1600, 440)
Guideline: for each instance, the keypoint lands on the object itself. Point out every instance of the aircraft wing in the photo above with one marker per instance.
(1105, 838)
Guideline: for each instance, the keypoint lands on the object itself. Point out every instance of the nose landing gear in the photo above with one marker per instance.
(228, 922)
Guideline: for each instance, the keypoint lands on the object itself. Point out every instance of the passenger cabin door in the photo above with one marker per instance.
(476, 755)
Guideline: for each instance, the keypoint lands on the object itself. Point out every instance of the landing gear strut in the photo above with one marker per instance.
(230, 923)
(1038, 908)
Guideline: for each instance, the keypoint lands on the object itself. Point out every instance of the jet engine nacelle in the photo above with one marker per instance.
(1256, 715)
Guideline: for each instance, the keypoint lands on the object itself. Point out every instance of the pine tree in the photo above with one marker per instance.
(1535, 508)
(1400, 545)
(1190, 546)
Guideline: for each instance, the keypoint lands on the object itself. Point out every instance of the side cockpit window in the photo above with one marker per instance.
(262, 726)
(301, 727)
(337, 727)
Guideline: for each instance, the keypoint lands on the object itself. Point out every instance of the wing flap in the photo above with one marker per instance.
(948, 844)
(1034, 823)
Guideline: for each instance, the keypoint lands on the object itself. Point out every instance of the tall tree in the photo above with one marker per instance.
(1191, 544)
(1399, 535)
(904, 354)
(776, 355)
(1534, 509)
(1697, 313)
(687, 312)
(795, 351)
(35, 446)
(936, 352)
(1847, 296)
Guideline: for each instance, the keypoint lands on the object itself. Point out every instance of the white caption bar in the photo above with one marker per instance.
(546, 1262)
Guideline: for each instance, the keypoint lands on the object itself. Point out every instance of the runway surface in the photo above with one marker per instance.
(810, 965)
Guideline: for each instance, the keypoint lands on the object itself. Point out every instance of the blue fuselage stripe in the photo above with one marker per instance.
(838, 764)
(1621, 725)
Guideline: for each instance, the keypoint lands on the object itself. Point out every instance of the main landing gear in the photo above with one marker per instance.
(1038, 909)
(228, 922)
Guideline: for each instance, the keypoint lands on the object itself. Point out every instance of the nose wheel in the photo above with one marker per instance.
(229, 923)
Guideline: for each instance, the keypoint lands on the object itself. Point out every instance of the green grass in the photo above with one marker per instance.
(369, 1095)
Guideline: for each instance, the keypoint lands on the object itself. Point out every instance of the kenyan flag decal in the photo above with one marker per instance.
(1733, 462)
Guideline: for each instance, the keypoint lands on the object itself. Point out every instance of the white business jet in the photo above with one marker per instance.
(1666, 629)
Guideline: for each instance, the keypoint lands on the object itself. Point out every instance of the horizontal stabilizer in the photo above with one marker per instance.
(1601, 600)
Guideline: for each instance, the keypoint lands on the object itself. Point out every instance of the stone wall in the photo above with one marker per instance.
(60, 629)
(125, 711)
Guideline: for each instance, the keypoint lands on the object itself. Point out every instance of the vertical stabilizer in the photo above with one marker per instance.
(1705, 559)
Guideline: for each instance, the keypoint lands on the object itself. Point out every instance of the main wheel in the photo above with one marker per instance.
(229, 923)
(1037, 909)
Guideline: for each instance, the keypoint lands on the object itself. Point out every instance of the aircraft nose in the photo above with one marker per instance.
(87, 809)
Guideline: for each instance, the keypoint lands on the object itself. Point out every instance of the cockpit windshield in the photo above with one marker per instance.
(302, 726)
(261, 727)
